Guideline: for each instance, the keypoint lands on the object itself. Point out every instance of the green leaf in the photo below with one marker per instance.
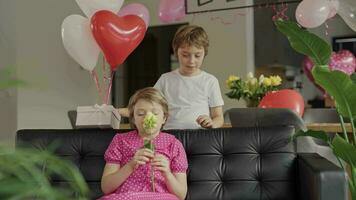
(315, 134)
(5, 84)
(340, 86)
(353, 77)
(7, 80)
(304, 42)
(344, 150)
(24, 174)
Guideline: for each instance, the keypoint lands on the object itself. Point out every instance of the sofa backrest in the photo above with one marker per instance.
(227, 163)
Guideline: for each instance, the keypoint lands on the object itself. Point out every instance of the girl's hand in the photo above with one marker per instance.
(205, 121)
(161, 163)
(141, 157)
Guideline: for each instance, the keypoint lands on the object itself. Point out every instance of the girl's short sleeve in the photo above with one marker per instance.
(179, 163)
(113, 154)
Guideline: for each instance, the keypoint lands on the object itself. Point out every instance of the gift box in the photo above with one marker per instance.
(97, 116)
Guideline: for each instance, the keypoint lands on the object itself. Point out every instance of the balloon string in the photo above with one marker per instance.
(103, 68)
(97, 84)
(326, 29)
(108, 91)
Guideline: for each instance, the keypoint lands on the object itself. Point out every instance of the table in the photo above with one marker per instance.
(327, 127)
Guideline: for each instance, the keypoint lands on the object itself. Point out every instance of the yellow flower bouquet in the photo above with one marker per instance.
(252, 89)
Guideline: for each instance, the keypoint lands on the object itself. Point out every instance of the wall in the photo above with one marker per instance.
(56, 83)
(8, 122)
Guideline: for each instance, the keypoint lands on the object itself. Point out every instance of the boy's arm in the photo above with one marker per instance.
(215, 120)
(124, 112)
(217, 116)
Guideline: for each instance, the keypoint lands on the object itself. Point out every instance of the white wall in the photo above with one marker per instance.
(56, 83)
(8, 122)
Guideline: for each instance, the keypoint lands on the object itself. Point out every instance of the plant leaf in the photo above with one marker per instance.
(344, 150)
(315, 134)
(25, 173)
(304, 42)
(353, 77)
(5, 84)
(340, 86)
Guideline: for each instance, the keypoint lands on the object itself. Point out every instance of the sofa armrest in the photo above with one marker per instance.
(320, 179)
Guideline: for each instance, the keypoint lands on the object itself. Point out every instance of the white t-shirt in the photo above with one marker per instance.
(188, 97)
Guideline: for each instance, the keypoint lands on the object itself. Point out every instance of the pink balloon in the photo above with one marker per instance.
(171, 10)
(343, 61)
(312, 13)
(136, 9)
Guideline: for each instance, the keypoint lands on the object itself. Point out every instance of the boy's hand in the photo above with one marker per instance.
(205, 121)
(161, 163)
(141, 157)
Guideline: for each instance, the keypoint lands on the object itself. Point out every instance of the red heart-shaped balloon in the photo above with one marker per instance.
(285, 98)
(117, 36)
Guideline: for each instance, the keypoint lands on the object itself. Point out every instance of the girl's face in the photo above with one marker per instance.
(190, 60)
(141, 108)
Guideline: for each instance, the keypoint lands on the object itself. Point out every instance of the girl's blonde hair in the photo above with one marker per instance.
(149, 94)
(190, 35)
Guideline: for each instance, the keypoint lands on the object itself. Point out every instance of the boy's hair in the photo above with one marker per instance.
(149, 94)
(190, 35)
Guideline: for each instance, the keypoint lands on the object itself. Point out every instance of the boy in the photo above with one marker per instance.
(194, 97)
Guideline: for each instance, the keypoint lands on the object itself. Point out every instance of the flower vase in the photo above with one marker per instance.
(250, 103)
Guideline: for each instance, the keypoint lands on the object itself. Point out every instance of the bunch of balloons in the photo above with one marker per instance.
(313, 13)
(107, 28)
(116, 32)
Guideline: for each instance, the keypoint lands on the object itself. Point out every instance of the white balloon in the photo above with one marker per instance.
(90, 7)
(347, 10)
(79, 41)
(334, 7)
(312, 13)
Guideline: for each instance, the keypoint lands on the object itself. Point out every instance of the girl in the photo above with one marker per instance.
(132, 172)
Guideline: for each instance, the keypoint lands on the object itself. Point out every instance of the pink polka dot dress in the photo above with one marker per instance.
(138, 185)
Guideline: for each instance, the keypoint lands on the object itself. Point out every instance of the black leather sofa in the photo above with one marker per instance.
(227, 164)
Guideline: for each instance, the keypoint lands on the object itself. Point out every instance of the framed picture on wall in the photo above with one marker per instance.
(199, 6)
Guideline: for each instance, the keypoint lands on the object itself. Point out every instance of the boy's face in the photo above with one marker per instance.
(141, 108)
(190, 60)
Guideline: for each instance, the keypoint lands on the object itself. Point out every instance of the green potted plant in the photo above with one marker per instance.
(6, 79)
(338, 84)
(26, 173)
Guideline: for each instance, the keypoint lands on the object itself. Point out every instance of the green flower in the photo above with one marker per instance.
(149, 122)
(251, 89)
